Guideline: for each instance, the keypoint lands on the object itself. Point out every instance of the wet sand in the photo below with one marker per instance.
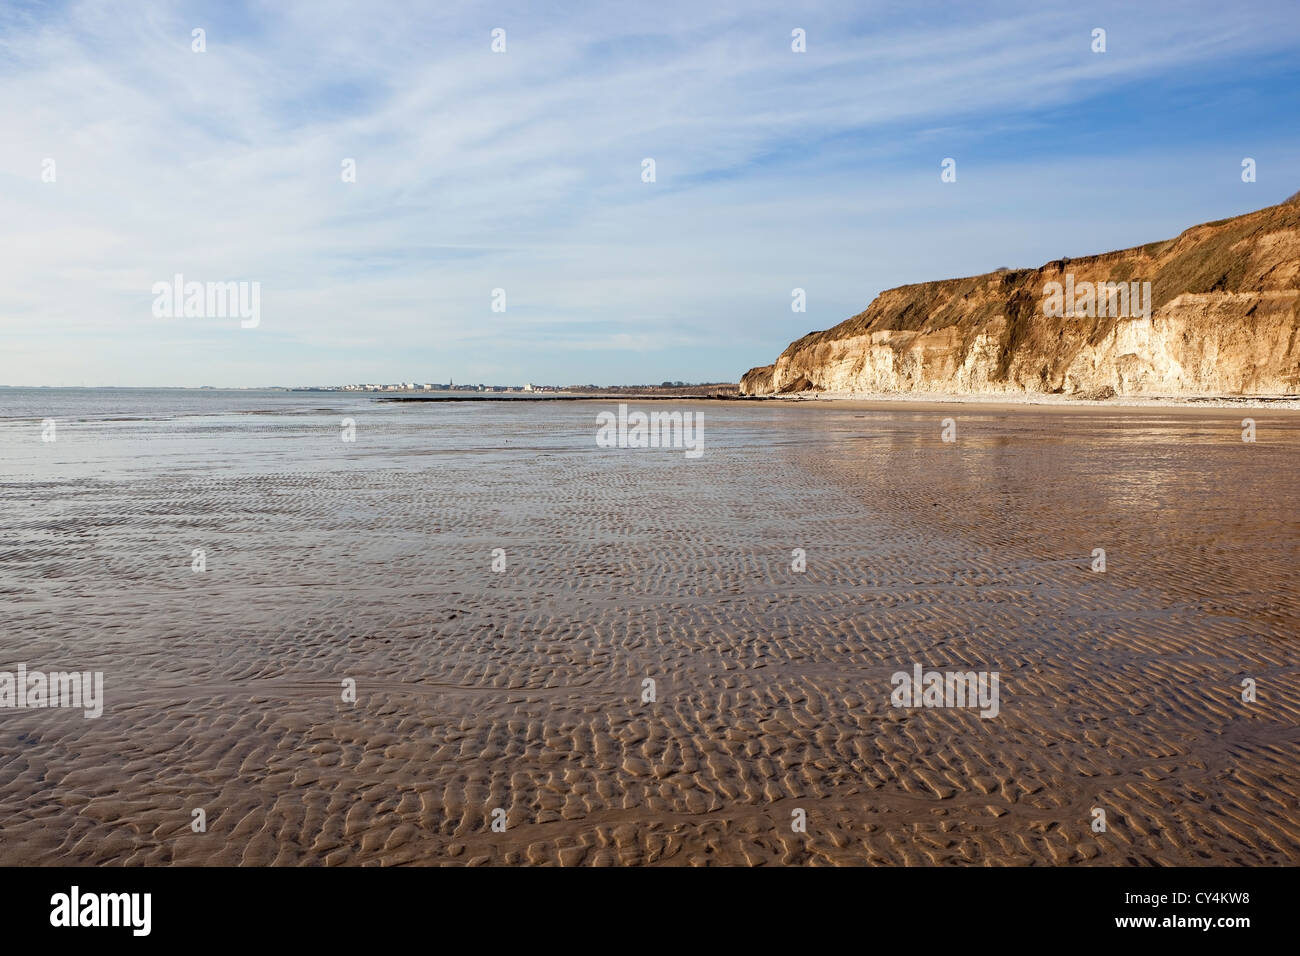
(522, 690)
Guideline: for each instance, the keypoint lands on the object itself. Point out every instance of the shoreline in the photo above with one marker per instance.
(904, 400)
(1035, 400)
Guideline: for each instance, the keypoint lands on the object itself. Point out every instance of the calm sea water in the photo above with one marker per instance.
(102, 404)
(111, 433)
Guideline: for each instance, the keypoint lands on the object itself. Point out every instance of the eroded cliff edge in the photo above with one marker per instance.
(1224, 318)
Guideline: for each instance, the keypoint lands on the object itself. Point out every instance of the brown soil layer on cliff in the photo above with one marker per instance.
(522, 690)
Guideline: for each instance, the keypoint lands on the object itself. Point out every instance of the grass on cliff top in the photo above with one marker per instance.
(1212, 264)
(1208, 264)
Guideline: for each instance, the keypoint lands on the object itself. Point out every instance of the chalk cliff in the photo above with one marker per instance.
(1224, 319)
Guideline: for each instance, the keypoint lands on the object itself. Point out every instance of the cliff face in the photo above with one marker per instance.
(1224, 319)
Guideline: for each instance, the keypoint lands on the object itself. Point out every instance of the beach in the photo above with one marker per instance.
(498, 589)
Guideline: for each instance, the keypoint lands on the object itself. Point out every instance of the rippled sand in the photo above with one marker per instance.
(522, 690)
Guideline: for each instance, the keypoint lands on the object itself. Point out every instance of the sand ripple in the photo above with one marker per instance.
(523, 690)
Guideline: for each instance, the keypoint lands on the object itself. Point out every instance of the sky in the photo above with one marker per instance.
(128, 157)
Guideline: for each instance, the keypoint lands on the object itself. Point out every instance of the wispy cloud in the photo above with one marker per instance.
(522, 171)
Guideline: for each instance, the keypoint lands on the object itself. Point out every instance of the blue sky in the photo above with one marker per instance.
(522, 171)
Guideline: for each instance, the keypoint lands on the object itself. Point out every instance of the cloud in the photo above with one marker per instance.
(522, 170)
